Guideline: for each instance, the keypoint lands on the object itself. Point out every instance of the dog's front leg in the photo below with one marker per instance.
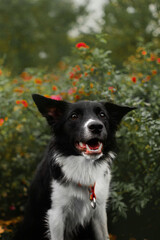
(56, 224)
(99, 224)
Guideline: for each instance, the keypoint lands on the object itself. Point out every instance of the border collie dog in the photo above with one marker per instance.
(67, 198)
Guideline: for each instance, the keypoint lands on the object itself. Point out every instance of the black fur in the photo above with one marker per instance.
(65, 133)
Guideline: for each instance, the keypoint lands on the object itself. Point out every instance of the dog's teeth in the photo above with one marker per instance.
(100, 147)
(81, 144)
(88, 147)
(93, 150)
(90, 150)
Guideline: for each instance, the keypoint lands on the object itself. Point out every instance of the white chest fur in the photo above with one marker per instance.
(70, 203)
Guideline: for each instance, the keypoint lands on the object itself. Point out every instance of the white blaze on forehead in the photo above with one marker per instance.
(88, 122)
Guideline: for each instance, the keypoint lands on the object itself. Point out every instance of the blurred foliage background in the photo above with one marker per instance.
(120, 62)
(34, 33)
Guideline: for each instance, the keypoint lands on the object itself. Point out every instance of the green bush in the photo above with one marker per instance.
(24, 133)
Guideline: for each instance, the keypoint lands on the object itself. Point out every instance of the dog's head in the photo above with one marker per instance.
(83, 128)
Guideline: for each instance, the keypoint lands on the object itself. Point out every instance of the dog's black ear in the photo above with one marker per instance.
(49, 108)
(117, 112)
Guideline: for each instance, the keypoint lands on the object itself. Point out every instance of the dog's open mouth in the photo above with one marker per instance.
(93, 146)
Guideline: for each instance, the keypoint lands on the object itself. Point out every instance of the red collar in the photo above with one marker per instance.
(92, 195)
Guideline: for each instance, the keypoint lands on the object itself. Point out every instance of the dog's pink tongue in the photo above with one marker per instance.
(90, 148)
(95, 148)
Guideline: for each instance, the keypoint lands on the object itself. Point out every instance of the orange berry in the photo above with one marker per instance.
(81, 91)
(91, 85)
(77, 97)
(144, 53)
(78, 67)
(154, 72)
(38, 81)
(26, 76)
(54, 88)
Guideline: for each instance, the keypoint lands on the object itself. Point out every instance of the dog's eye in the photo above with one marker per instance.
(102, 114)
(74, 116)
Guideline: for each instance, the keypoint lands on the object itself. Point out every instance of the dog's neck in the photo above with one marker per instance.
(79, 170)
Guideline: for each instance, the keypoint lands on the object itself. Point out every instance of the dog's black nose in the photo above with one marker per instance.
(96, 127)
